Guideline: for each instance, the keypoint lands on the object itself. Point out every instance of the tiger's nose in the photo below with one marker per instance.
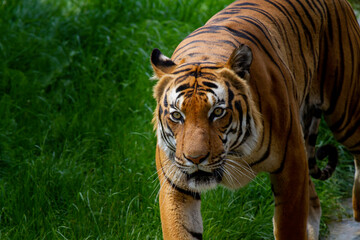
(196, 159)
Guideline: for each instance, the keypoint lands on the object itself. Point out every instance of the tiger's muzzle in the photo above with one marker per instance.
(200, 174)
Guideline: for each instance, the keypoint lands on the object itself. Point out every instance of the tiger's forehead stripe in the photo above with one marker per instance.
(196, 70)
(195, 81)
(182, 70)
(200, 80)
(202, 63)
(182, 87)
(209, 84)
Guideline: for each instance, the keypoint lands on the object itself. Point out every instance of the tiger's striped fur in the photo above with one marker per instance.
(244, 94)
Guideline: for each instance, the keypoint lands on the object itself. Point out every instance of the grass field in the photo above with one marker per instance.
(76, 140)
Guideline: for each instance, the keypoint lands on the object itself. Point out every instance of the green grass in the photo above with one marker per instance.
(76, 140)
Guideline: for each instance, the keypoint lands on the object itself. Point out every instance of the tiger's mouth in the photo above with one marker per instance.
(202, 180)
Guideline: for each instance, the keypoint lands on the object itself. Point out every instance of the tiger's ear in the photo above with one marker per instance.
(240, 61)
(161, 64)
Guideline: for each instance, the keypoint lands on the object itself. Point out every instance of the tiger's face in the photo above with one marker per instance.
(205, 122)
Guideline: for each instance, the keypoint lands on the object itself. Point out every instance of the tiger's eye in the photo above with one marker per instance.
(218, 112)
(176, 115)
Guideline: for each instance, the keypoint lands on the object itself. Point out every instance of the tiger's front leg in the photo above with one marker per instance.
(180, 214)
(291, 193)
(179, 210)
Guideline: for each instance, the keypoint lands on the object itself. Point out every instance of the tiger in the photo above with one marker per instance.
(244, 94)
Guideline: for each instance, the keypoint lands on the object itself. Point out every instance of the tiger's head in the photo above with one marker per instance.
(206, 121)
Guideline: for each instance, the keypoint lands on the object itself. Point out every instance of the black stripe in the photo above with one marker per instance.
(218, 19)
(180, 95)
(223, 140)
(239, 34)
(216, 29)
(259, 99)
(304, 62)
(280, 169)
(307, 14)
(191, 42)
(230, 94)
(246, 4)
(192, 54)
(285, 35)
(195, 195)
(182, 70)
(292, 24)
(237, 144)
(267, 53)
(209, 84)
(335, 96)
(329, 23)
(263, 12)
(198, 63)
(207, 90)
(257, 24)
(165, 100)
(182, 87)
(207, 78)
(181, 79)
(318, 9)
(324, 70)
(304, 26)
(267, 152)
(160, 111)
(350, 106)
(165, 137)
(350, 131)
(208, 75)
(287, 14)
(235, 130)
(239, 109)
(207, 29)
(312, 8)
(209, 67)
(227, 42)
(228, 124)
(355, 145)
(185, 50)
(246, 136)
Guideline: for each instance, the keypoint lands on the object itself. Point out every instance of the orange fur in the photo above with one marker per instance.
(236, 98)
